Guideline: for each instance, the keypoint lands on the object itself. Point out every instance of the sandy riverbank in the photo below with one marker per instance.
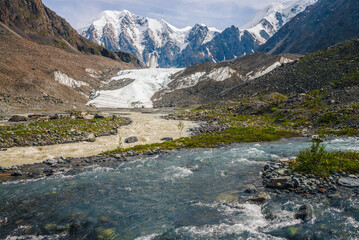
(149, 128)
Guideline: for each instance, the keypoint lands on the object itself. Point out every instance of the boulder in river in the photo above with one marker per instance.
(250, 189)
(348, 182)
(131, 140)
(97, 116)
(303, 213)
(260, 198)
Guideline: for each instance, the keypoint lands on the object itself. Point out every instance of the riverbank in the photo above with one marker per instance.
(191, 193)
(148, 128)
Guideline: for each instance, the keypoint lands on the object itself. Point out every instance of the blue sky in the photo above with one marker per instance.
(214, 13)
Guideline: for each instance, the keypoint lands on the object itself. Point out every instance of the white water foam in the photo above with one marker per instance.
(177, 172)
(31, 237)
(245, 160)
(253, 221)
(148, 237)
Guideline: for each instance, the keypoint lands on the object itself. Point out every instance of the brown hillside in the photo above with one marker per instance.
(33, 20)
(27, 75)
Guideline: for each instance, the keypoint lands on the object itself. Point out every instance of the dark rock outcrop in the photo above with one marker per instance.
(333, 71)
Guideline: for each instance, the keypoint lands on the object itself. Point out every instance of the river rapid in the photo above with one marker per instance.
(187, 194)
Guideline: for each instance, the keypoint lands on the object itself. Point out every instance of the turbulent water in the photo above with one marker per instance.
(191, 194)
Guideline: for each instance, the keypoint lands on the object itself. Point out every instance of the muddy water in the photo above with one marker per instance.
(148, 128)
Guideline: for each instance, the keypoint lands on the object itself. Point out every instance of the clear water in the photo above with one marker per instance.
(191, 194)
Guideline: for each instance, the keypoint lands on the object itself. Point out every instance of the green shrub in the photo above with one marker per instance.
(316, 160)
(313, 99)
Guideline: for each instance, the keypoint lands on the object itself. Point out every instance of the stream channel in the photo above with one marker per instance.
(186, 194)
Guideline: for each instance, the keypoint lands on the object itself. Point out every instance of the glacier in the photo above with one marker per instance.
(137, 94)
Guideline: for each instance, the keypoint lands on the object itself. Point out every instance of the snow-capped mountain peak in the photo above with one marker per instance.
(159, 44)
(269, 20)
(144, 37)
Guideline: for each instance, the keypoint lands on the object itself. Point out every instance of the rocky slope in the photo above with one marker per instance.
(32, 20)
(37, 77)
(322, 25)
(160, 44)
(330, 75)
(334, 72)
(203, 83)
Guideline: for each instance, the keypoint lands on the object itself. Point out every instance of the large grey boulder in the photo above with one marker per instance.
(348, 182)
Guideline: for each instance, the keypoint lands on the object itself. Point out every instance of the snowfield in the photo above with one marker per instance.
(137, 94)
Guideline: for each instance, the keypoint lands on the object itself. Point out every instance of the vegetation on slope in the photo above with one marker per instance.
(333, 71)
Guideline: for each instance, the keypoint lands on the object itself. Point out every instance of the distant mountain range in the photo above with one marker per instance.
(159, 44)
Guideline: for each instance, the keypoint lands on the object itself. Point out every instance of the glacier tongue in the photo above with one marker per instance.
(138, 94)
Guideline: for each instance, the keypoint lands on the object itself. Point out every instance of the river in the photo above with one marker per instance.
(189, 194)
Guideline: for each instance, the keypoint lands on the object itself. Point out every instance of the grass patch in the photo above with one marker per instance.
(316, 160)
(54, 130)
(231, 135)
(341, 132)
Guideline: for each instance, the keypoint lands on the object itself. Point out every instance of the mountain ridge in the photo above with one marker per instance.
(168, 46)
(320, 26)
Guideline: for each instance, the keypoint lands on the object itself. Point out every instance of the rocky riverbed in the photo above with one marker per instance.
(70, 166)
(278, 177)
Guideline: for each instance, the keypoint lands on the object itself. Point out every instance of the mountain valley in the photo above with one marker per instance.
(132, 128)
